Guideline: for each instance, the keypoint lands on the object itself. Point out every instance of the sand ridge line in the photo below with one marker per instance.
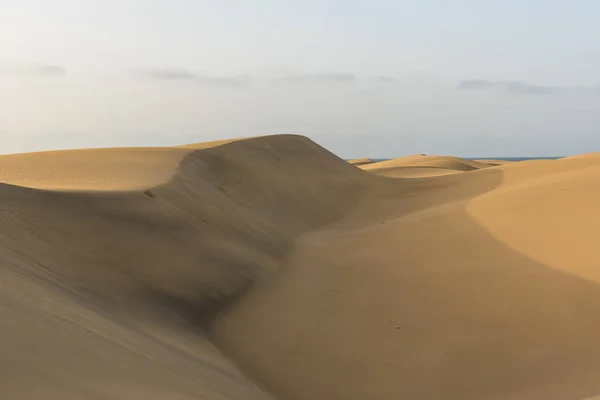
(423, 166)
(164, 263)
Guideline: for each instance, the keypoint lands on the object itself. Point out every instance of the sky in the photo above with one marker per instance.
(383, 78)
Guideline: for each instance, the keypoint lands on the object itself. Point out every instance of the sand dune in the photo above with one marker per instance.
(92, 169)
(431, 290)
(361, 161)
(419, 166)
(107, 294)
(457, 163)
(494, 162)
(587, 155)
(268, 268)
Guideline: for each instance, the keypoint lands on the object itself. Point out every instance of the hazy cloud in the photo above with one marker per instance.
(474, 84)
(165, 74)
(384, 79)
(527, 88)
(320, 78)
(519, 87)
(41, 70)
(224, 81)
(177, 74)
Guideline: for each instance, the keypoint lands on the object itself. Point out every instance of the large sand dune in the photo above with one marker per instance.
(268, 268)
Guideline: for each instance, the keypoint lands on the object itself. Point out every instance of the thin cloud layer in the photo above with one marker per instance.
(471, 84)
(41, 70)
(165, 74)
(527, 88)
(519, 87)
(384, 79)
(180, 74)
(176, 74)
(320, 78)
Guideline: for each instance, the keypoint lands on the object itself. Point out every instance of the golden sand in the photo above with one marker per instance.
(360, 161)
(268, 268)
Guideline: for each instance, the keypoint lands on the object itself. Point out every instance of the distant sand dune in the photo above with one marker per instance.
(587, 155)
(419, 166)
(361, 161)
(456, 163)
(493, 162)
(268, 268)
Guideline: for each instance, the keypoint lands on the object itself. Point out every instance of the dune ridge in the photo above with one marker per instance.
(361, 161)
(92, 169)
(102, 264)
(419, 166)
(269, 268)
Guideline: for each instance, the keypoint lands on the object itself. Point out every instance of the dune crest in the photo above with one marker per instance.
(134, 272)
(419, 166)
(92, 169)
(361, 161)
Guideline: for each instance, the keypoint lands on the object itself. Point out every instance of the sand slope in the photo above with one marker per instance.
(106, 294)
(92, 169)
(440, 288)
(268, 268)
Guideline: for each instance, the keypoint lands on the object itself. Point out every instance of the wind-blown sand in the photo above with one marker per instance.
(268, 268)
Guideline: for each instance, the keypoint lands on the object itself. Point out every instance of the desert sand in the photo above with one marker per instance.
(419, 166)
(269, 268)
(361, 161)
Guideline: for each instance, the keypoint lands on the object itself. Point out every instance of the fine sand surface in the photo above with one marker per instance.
(361, 161)
(493, 162)
(268, 268)
(419, 166)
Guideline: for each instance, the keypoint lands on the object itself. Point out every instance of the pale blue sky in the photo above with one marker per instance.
(379, 78)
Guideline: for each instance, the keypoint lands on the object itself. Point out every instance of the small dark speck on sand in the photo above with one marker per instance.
(148, 193)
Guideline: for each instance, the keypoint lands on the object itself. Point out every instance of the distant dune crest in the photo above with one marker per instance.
(421, 165)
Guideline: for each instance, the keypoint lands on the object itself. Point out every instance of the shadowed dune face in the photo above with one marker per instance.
(317, 279)
(109, 291)
(559, 200)
(232, 205)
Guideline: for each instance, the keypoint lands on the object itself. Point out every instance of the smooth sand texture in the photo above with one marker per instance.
(92, 169)
(108, 294)
(268, 268)
(493, 162)
(360, 161)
